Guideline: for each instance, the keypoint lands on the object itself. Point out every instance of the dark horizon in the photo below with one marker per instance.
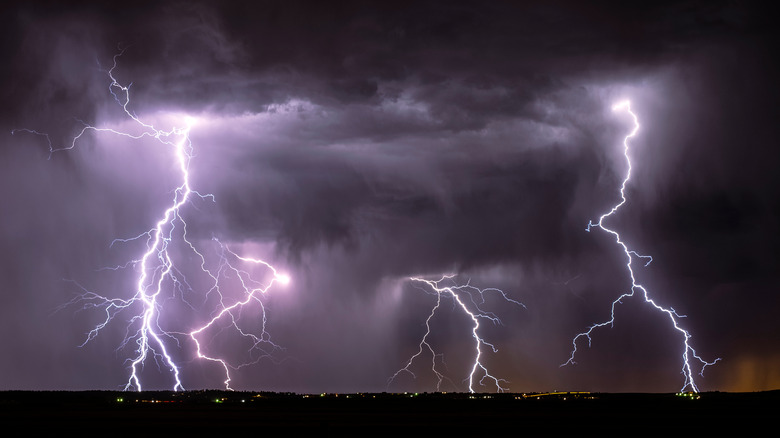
(354, 146)
(223, 412)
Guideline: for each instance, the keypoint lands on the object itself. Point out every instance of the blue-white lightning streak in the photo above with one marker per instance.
(253, 291)
(688, 353)
(457, 293)
(157, 270)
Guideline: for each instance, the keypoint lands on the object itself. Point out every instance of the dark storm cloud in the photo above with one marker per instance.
(370, 142)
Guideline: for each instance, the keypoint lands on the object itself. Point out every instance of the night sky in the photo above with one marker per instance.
(353, 145)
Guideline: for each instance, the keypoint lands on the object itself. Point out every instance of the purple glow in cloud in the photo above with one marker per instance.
(354, 146)
(159, 278)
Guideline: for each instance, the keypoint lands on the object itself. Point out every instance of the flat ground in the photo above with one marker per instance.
(150, 413)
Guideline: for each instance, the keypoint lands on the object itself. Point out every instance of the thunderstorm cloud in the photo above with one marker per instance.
(355, 145)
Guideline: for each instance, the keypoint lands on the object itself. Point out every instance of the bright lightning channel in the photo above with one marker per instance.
(688, 353)
(157, 272)
(461, 294)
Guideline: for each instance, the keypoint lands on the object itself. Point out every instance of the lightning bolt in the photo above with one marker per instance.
(253, 291)
(159, 279)
(461, 294)
(689, 355)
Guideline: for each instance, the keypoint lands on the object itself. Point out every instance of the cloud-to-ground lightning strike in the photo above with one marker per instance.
(252, 289)
(460, 294)
(688, 353)
(159, 278)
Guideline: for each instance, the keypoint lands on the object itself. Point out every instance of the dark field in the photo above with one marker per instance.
(151, 413)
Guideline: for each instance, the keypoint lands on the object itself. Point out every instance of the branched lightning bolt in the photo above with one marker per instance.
(461, 294)
(253, 289)
(159, 279)
(688, 353)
